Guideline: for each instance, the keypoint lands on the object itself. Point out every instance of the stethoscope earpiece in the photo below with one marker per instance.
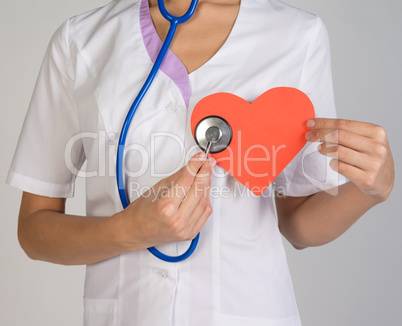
(213, 134)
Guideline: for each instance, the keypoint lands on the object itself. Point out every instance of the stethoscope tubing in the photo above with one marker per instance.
(174, 22)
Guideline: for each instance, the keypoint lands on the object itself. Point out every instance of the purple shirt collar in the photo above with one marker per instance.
(171, 65)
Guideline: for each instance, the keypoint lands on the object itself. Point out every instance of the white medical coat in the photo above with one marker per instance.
(94, 67)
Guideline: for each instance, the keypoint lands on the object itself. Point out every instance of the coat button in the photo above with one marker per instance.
(163, 273)
(171, 107)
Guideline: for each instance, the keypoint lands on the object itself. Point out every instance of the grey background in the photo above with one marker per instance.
(355, 280)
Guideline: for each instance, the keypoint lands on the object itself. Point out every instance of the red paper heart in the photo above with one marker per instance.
(267, 134)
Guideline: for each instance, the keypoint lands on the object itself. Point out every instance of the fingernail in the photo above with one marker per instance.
(202, 157)
(310, 123)
(212, 161)
(308, 135)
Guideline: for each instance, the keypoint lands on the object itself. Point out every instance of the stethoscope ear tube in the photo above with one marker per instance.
(177, 20)
(174, 21)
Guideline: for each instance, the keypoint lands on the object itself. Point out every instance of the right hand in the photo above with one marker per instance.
(178, 212)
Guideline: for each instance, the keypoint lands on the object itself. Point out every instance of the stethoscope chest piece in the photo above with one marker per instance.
(213, 131)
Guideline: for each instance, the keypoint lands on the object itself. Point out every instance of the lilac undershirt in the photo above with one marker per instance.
(171, 65)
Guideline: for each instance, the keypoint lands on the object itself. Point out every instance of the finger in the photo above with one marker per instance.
(362, 128)
(346, 155)
(200, 213)
(342, 137)
(186, 176)
(199, 217)
(351, 172)
(199, 189)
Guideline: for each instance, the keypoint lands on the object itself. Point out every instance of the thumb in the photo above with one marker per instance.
(188, 174)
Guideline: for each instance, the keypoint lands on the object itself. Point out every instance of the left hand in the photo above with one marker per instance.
(360, 152)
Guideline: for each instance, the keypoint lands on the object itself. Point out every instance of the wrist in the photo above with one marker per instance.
(116, 227)
(122, 234)
(369, 199)
(386, 194)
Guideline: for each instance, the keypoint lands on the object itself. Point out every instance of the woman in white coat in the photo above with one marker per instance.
(95, 64)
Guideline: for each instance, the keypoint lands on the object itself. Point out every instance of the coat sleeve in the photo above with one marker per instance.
(49, 151)
(309, 171)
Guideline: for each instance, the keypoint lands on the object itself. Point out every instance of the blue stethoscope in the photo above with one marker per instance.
(174, 22)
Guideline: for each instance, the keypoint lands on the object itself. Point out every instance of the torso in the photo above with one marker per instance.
(113, 50)
(197, 40)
